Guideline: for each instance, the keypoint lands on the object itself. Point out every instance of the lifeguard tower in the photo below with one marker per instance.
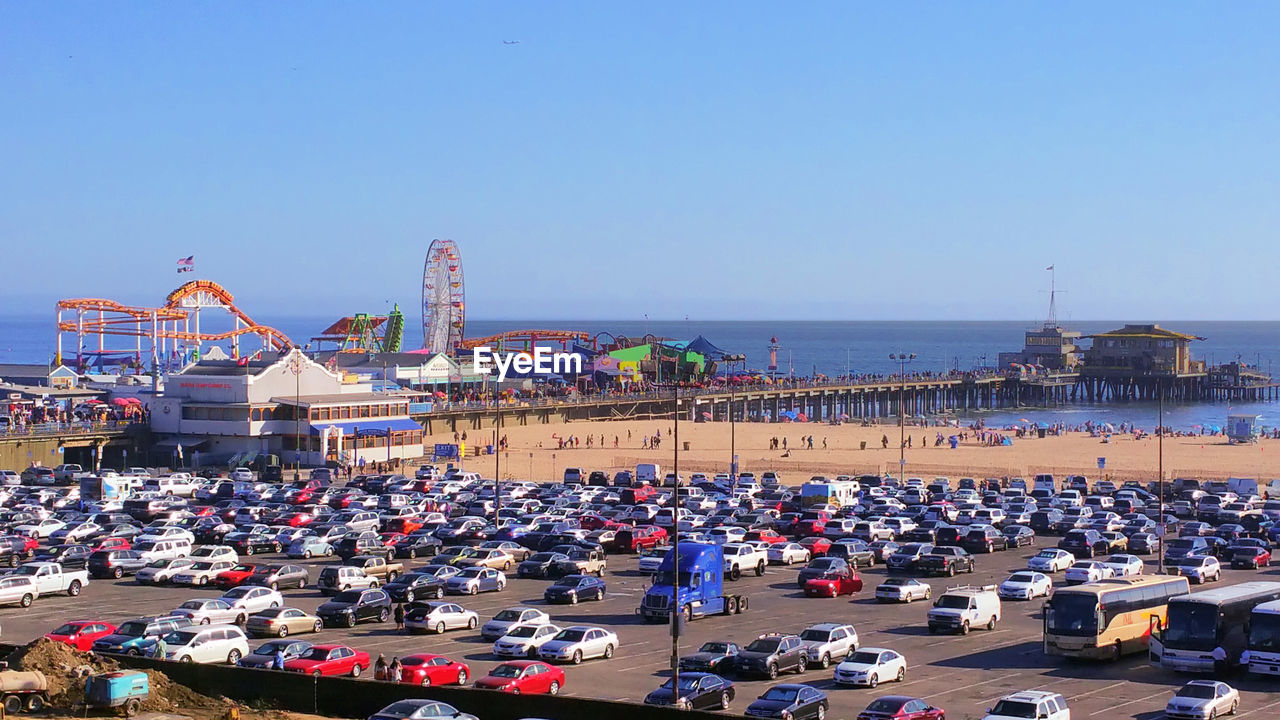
(1242, 428)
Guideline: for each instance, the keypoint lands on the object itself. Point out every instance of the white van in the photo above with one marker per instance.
(965, 606)
(207, 644)
(647, 473)
(1044, 481)
(1244, 487)
(163, 549)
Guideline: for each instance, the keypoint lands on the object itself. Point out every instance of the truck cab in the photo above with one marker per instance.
(692, 583)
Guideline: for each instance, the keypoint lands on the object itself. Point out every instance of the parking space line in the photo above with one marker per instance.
(1259, 709)
(1131, 702)
(973, 685)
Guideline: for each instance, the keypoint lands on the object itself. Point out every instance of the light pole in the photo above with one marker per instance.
(497, 453)
(677, 612)
(1160, 463)
(295, 367)
(903, 359)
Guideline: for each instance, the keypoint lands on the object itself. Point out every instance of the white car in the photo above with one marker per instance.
(870, 667)
(208, 611)
(523, 641)
(788, 554)
(577, 643)
(252, 598)
(1124, 565)
(242, 474)
(1087, 571)
(509, 618)
(212, 644)
(76, 533)
(169, 532)
(1197, 568)
(1201, 699)
(201, 572)
(825, 641)
(727, 534)
(215, 552)
(904, 590)
(651, 560)
(1038, 704)
(42, 529)
(158, 572)
(1026, 585)
(1051, 561)
(438, 617)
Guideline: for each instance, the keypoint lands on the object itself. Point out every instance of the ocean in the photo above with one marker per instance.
(827, 347)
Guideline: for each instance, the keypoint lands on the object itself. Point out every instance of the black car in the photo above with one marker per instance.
(353, 606)
(1084, 543)
(349, 547)
(115, 563)
(949, 536)
(1018, 535)
(415, 586)
(907, 557)
(698, 691)
(70, 557)
(279, 576)
(791, 702)
(984, 539)
(253, 544)
(920, 535)
(769, 655)
(946, 560)
(715, 656)
(540, 565)
(822, 567)
(265, 654)
(418, 544)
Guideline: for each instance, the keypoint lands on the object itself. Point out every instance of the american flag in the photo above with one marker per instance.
(187, 264)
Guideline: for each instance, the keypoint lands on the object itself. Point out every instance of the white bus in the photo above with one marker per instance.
(1208, 631)
(838, 493)
(1263, 655)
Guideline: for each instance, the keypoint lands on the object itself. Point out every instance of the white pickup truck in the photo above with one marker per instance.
(69, 473)
(742, 557)
(50, 578)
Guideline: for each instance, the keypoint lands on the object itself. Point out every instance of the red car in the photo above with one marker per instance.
(404, 525)
(80, 634)
(112, 543)
(299, 519)
(206, 511)
(812, 523)
(391, 538)
(427, 670)
(330, 660)
(235, 576)
(524, 676)
(770, 536)
(901, 707)
(817, 546)
(639, 538)
(28, 547)
(833, 586)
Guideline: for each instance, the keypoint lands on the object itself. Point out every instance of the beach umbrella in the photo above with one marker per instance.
(1023, 420)
(1043, 426)
(119, 401)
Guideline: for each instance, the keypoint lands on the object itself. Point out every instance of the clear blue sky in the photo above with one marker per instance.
(844, 160)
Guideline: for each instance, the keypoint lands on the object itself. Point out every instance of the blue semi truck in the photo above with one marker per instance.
(692, 583)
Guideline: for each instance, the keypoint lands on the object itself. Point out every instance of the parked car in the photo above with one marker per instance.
(904, 590)
(572, 588)
(524, 640)
(328, 660)
(900, 707)
(790, 702)
(348, 608)
(715, 657)
(524, 677)
(697, 691)
(282, 622)
(213, 643)
(426, 669)
(81, 634)
(579, 642)
(870, 667)
(264, 656)
(438, 616)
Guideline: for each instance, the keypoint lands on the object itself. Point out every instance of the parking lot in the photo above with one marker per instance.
(963, 674)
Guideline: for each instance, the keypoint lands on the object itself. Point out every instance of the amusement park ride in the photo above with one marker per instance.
(169, 329)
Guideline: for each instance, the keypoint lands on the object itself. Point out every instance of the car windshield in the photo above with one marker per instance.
(179, 637)
(317, 654)
(506, 671)
(780, 693)
(763, 645)
(270, 648)
(885, 705)
(953, 602)
(1015, 708)
(819, 635)
(570, 635)
(133, 628)
(202, 566)
(522, 631)
(1047, 554)
(1021, 578)
(67, 629)
(686, 683)
(714, 647)
(508, 615)
(863, 658)
(1264, 632)
(471, 572)
(1196, 690)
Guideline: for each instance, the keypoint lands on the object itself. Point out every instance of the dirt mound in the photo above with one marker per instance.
(66, 668)
(63, 666)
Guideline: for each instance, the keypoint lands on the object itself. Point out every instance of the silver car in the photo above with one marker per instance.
(579, 642)
(524, 641)
(1201, 699)
(206, 611)
(509, 618)
(438, 617)
(158, 572)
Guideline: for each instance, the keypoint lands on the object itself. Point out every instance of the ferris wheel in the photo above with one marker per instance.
(443, 292)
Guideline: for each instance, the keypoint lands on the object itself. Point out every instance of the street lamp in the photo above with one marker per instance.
(497, 430)
(903, 359)
(295, 367)
(676, 611)
(1160, 463)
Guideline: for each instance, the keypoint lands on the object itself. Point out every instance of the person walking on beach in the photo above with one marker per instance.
(824, 443)
(884, 441)
(784, 444)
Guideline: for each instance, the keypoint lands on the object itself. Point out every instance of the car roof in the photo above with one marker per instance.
(826, 626)
(1030, 695)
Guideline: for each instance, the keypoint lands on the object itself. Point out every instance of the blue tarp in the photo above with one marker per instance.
(368, 427)
(703, 346)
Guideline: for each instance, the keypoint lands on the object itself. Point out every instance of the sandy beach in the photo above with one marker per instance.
(534, 452)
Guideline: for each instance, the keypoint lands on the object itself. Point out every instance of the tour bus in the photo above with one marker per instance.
(1263, 655)
(1106, 619)
(1206, 632)
(838, 493)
